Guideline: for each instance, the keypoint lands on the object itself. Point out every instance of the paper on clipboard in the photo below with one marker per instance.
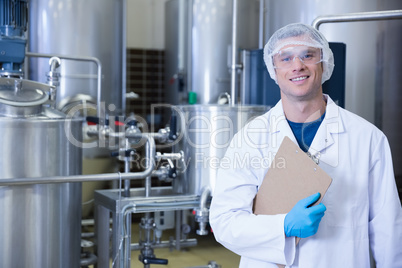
(291, 177)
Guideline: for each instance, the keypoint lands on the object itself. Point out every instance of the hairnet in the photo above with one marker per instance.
(299, 34)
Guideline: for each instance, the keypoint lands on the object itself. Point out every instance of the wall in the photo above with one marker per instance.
(145, 24)
(145, 57)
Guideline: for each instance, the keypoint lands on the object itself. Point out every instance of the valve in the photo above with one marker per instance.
(147, 256)
(150, 260)
(202, 213)
(92, 120)
(180, 79)
(173, 128)
(202, 217)
(122, 154)
(132, 131)
(172, 170)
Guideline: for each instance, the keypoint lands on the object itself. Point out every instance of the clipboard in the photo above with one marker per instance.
(291, 177)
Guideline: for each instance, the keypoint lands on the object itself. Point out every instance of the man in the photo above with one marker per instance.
(361, 209)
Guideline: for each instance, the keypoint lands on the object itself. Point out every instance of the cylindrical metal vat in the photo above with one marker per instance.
(200, 50)
(91, 28)
(40, 225)
(205, 133)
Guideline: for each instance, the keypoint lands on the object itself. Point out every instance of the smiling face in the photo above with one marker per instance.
(298, 76)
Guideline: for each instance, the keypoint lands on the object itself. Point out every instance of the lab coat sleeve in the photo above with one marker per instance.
(385, 226)
(259, 237)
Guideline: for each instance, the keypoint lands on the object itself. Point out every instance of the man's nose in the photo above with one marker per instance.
(297, 63)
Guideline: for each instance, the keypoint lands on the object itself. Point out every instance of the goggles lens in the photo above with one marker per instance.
(307, 55)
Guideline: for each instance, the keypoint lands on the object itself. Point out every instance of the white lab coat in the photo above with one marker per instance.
(363, 208)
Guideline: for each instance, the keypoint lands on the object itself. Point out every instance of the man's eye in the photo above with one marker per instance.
(285, 59)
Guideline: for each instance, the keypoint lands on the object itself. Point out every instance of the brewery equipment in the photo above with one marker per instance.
(205, 133)
(198, 41)
(98, 28)
(40, 225)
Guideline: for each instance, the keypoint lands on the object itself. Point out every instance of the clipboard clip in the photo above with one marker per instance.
(315, 157)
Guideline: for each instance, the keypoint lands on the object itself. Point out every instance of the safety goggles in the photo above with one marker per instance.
(307, 55)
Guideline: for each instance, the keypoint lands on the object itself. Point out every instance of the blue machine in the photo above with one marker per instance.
(13, 25)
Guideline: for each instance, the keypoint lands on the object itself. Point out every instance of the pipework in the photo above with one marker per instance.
(202, 213)
(76, 58)
(360, 16)
(53, 79)
(149, 154)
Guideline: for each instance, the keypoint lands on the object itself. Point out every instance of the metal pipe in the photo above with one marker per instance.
(245, 59)
(76, 58)
(127, 237)
(148, 186)
(127, 182)
(53, 80)
(206, 193)
(261, 26)
(126, 230)
(171, 156)
(182, 35)
(178, 219)
(147, 248)
(155, 136)
(148, 178)
(189, 58)
(133, 208)
(202, 213)
(54, 63)
(149, 154)
(124, 56)
(361, 16)
(234, 53)
(191, 242)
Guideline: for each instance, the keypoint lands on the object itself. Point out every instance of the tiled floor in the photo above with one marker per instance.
(207, 249)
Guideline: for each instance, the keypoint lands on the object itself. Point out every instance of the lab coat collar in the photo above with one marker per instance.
(326, 135)
(278, 125)
(324, 138)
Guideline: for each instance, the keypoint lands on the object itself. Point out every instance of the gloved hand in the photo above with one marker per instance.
(303, 220)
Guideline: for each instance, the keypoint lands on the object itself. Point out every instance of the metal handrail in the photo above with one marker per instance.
(360, 16)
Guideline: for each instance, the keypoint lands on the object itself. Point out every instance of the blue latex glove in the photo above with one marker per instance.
(303, 220)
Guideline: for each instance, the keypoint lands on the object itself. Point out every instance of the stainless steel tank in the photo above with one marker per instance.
(205, 133)
(40, 225)
(91, 28)
(198, 39)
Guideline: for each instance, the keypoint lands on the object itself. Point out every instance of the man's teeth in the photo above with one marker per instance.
(299, 78)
